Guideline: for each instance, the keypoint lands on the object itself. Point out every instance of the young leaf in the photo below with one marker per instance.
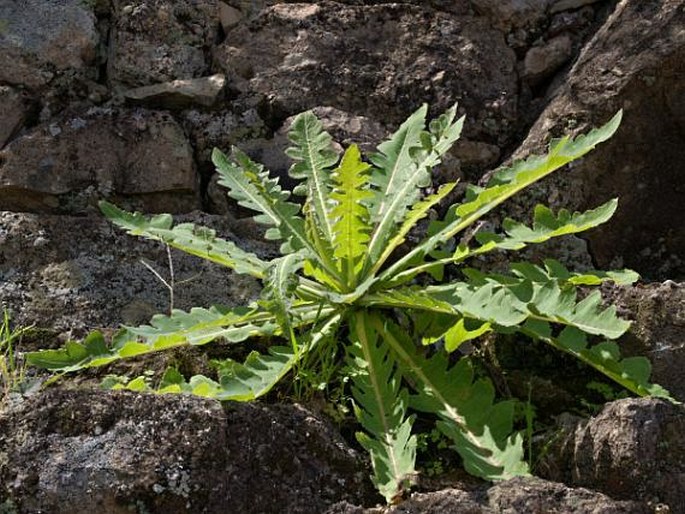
(351, 229)
(381, 409)
(279, 288)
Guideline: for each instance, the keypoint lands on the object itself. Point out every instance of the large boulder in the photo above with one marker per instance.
(380, 61)
(40, 40)
(118, 452)
(635, 62)
(633, 450)
(64, 164)
(73, 274)
(517, 496)
(154, 41)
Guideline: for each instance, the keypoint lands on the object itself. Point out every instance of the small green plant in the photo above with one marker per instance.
(12, 369)
(345, 283)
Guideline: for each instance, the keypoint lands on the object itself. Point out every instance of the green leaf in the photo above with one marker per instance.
(459, 334)
(314, 156)
(505, 183)
(278, 294)
(632, 372)
(250, 185)
(192, 239)
(381, 410)
(480, 429)
(405, 163)
(351, 226)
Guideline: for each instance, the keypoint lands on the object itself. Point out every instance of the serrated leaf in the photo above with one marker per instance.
(194, 240)
(405, 163)
(278, 294)
(459, 334)
(250, 185)
(632, 372)
(351, 226)
(505, 183)
(314, 157)
(480, 429)
(381, 409)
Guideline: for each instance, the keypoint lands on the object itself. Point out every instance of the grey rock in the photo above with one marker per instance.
(543, 61)
(155, 41)
(528, 495)
(117, 452)
(14, 109)
(179, 94)
(568, 5)
(633, 450)
(634, 62)
(229, 16)
(66, 164)
(74, 274)
(658, 314)
(39, 40)
(514, 14)
(378, 61)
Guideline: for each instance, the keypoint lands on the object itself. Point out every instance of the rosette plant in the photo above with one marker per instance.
(346, 279)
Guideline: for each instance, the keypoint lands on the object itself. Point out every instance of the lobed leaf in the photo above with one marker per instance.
(480, 429)
(381, 409)
(314, 158)
(504, 184)
(351, 226)
(195, 240)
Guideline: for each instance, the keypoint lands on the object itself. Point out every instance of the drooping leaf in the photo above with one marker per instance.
(192, 239)
(505, 183)
(197, 327)
(381, 409)
(480, 429)
(632, 372)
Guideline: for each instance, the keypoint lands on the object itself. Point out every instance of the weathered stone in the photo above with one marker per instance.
(517, 496)
(13, 111)
(658, 315)
(513, 14)
(636, 61)
(378, 61)
(179, 94)
(229, 16)
(568, 5)
(155, 41)
(66, 164)
(634, 449)
(543, 61)
(40, 39)
(118, 452)
(74, 274)
(475, 155)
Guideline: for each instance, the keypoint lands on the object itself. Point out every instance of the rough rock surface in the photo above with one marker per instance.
(634, 449)
(379, 61)
(179, 94)
(64, 164)
(14, 109)
(72, 274)
(658, 315)
(516, 496)
(118, 452)
(40, 40)
(634, 62)
(160, 40)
